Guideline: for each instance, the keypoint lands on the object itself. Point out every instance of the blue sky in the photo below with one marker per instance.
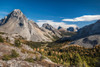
(54, 10)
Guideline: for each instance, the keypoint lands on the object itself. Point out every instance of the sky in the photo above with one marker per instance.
(55, 12)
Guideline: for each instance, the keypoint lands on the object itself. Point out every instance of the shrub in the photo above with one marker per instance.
(6, 57)
(43, 57)
(34, 44)
(2, 33)
(14, 54)
(17, 43)
(37, 58)
(49, 53)
(7, 39)
(1, 39)
(29, 59)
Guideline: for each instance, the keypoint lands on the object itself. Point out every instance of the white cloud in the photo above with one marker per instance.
(55, 24)
(2, 12)
(1, 17)
(84, 18)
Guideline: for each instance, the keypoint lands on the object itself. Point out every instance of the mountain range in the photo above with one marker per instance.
(16, 23)
(24, 44)
(69, 29)
(87, 36)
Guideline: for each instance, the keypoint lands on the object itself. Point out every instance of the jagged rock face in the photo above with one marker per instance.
(62, 29)
(88, 36)
(72, 29)
(59, 27)
(50, 28)
(69, 29)
(17, 23)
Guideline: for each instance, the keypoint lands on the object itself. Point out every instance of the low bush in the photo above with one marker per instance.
(1, 39)
(43, 57)
(6, 57)
(13, 54)
(29, 59)
(17, 43)
(34, 44)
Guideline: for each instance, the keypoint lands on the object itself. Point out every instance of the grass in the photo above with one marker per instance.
(17, 43)
(13, 54)
(6, 57)
(1, 39)
(2, 33)
(29, 59)
(34, 44)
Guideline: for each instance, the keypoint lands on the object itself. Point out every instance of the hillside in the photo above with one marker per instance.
(18, 53)
(87, 36)
(24, 44)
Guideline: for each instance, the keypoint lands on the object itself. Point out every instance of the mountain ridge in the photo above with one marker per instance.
(17, 23)
(88, 36)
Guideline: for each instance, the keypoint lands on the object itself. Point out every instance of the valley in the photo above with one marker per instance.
(24, 44)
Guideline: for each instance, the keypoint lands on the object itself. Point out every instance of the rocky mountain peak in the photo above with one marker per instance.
(59, 27)
(16, 13)
(98, 21)
(16, 23)
(17, 10)
(51, 28)
(71, 29)
(47, 26)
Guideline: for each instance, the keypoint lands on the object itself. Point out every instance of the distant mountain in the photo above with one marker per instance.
(51, 28)
(65, 32)
(69, 29)
(61, 29)
(72, 29)
(17, 23)
(88, 36)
